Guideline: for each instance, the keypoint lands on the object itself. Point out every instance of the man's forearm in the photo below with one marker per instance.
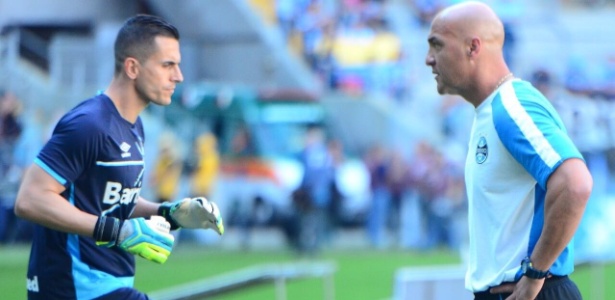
(567, 195)
(562, 219)
(145, 208)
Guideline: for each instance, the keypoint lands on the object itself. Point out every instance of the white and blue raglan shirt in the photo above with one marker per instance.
(98, 156)
(517, 142)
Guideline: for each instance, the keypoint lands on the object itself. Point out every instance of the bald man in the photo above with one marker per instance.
(527, 183)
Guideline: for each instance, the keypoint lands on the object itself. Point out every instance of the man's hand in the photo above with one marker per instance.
(193, 213)
(149, 239)
(525, 289)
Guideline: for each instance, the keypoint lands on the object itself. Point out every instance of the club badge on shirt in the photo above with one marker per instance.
(482, 150)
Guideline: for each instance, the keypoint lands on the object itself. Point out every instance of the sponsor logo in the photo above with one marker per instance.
(125, 149)
(115, 193)
(32, 284)
(482, 150)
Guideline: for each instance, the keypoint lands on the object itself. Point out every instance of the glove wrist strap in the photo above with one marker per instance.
(165, 210)
(107, 229)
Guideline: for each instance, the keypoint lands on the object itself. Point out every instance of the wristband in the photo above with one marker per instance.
(107, 230)
(165, 210)
(527, 269)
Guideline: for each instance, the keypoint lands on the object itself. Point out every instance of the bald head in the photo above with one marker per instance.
(465, 51)
(469, 20)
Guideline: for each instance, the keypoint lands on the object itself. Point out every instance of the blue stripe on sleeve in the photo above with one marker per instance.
(531, 130)
(51, 172)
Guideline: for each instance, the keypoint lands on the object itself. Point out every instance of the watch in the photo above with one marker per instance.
(528, 270)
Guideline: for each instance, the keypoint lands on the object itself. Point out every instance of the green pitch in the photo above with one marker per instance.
(361, 274)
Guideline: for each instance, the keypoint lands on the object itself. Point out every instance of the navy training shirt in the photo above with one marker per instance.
(98, 156)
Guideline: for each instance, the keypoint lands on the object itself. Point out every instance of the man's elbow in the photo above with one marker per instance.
(23, 207)
(582, 189)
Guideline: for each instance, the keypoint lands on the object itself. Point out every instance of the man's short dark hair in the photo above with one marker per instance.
(137, 36)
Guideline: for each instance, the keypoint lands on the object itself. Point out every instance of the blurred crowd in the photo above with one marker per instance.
(352, 45)
(586, 102)
(348, 44)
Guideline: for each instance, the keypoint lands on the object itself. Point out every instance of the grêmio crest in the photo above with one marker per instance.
(482, 151)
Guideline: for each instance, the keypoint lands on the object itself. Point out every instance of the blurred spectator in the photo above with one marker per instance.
(313, 197)
(543, 80)
(287, 12)
(240, 162)
(205, 168)
(378, 164)
(576, 77)
(10, 172)
(509, 12)
(310, 25)
(167, 171)
(451, 206)
(336, 150)
(10, 126)
(27, 147)
(427, 174)
(323, 54)
(607, 86)
(373, 10)
(241, 144)
(427, 9)
(219, 123)
(389, 175)
(201, 169)
(398, 182)
(589, 128)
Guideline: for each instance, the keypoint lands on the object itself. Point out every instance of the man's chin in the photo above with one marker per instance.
(162, 102)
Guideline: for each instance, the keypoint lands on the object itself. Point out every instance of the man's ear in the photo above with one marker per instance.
(474, 47)
(131, 67)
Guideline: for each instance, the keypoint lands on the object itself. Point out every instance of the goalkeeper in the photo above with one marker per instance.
(83, 188)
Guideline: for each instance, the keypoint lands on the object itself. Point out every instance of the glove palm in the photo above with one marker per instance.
(193, 213)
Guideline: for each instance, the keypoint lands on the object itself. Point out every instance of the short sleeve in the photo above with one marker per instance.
(532, 132)
(71, 149)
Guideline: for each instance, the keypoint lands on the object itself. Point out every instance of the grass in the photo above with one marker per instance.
(362, 274)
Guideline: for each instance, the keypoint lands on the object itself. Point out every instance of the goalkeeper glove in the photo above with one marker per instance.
(192, 213)
(149, 239)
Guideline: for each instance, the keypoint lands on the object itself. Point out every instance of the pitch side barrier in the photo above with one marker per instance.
(279, 274)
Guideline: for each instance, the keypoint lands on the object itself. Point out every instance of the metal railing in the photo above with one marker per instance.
(279, 274)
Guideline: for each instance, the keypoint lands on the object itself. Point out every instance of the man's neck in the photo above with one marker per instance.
(123, 95)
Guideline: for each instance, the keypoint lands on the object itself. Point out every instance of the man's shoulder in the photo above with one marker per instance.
(525, 92)
(90, 114)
